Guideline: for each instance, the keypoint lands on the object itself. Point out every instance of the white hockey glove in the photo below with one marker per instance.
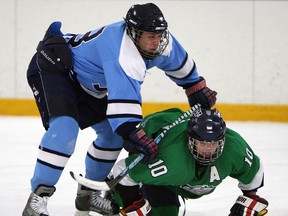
(249, 206)
(138, 208)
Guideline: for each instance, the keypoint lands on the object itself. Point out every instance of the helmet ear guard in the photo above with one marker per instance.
(208, 128)
(133, 33)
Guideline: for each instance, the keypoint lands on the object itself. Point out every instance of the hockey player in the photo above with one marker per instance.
(194, 157)
(93, 80)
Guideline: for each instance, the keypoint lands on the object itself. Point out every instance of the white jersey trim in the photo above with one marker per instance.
(256, 182)
(130, 59)
(124, 108)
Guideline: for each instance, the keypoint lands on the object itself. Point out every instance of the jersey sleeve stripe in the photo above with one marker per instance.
(185, 71)
(256, 182)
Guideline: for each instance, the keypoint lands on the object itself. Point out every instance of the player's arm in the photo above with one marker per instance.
(251, 178)
(181, 69)
(250, 203)
(124, 111)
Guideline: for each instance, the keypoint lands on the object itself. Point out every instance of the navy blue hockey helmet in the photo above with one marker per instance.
(206, 127)
(147, 18)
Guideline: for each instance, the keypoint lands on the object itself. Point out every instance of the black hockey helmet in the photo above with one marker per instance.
(147, 18)
(206, 126)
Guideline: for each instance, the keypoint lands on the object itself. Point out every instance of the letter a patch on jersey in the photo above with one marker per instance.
(214, 175)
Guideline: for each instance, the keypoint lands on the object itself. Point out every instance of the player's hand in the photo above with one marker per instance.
(249, 205)
(200, 93)
(139, 142)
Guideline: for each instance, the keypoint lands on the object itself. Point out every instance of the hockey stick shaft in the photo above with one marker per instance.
(108, 185)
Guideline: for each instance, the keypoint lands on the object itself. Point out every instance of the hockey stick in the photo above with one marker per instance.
(108, 185)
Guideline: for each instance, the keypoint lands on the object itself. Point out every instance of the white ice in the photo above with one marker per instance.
(20, 137)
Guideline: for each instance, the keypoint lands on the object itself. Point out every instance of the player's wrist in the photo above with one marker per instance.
(126, 129)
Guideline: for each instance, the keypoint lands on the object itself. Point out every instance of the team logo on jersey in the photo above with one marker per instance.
(198, 189)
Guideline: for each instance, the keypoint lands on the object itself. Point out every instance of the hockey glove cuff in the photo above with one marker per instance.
(140, 207)
(249, 206)
(200, 93)
(139, 142)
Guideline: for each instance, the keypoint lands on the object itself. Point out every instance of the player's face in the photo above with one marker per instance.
(149, 41)
(206, 149)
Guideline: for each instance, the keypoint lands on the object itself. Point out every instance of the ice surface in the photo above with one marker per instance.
(20, 137)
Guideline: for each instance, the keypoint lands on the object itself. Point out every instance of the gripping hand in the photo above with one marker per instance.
(200, 93)
(249, 206)
(139, 142)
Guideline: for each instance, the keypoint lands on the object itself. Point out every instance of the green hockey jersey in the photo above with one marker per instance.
(176, 168)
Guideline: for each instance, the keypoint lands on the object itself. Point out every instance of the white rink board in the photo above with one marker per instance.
(240, 47)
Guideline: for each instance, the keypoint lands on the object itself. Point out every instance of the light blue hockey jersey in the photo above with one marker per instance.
(106, 61)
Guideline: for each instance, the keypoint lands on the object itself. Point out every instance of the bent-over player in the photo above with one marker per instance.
(194, 157)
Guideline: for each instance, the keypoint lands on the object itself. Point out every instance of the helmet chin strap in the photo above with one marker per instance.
(147, 55)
